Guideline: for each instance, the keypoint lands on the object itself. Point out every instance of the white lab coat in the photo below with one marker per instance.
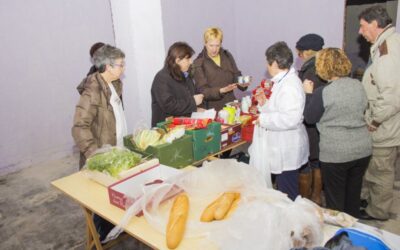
(282, 142)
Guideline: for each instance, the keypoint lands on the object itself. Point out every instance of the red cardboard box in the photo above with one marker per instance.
(124, 193)
(230, 134)
(248, 129)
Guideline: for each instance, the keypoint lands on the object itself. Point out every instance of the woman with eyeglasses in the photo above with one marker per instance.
(173, 92)
(99, 115)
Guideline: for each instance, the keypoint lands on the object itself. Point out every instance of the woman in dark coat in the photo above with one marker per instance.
(310, 181)
(173, 92)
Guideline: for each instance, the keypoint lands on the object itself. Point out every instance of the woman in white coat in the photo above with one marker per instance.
(281, 146)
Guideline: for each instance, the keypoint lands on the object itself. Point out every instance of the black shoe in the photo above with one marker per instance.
(365, 216)
(363, 203)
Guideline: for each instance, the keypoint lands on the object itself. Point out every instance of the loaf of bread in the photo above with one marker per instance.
(177, 221)
(233, 206)
(219, 208)
(223, 205)
(208, 213)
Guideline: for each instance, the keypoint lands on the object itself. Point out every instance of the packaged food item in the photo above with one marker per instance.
(190, 122)
(231, 114)
(223, 116)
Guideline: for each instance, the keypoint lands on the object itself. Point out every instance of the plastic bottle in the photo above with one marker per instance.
(223, 115)
(245, 105)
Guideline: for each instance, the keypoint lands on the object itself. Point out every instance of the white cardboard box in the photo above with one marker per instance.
(123, 193)
(106, 180)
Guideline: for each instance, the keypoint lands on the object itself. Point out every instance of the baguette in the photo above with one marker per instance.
(223, 205)
(208, 213)
(233, 206)
(177, 221)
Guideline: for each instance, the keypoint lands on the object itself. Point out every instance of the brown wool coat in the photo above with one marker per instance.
(94, 121)
(209, 78)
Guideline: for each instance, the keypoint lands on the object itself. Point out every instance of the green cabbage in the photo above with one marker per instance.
(114, 161)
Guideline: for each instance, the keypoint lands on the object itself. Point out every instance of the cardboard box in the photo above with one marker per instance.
(106, 180)
(206, 141)
(230, 134)
(177, 154)
(125, 192)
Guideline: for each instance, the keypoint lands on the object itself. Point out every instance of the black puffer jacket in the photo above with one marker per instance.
(170, 97)
(308, 71)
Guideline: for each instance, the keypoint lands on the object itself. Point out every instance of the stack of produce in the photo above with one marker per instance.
(114, 161)
(153, 137)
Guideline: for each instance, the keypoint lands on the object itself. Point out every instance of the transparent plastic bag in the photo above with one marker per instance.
(262, 213)
(257, 154)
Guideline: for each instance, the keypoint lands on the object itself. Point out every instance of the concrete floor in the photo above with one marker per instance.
(34, 215)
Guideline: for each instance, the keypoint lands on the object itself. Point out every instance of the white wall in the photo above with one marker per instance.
(251, 26)
(139, 33)
(44, 55)
(45, 47)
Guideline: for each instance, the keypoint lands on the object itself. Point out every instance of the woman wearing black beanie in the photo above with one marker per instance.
(310, 182)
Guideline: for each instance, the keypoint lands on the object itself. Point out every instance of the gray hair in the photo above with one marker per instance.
(281, 53)
(106, 55)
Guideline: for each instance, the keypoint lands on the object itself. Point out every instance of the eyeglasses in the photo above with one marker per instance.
(122, 65)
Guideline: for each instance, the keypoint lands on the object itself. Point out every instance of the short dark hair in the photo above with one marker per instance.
(281, 54)
(95, 47)
(179, 50)
(377, 13)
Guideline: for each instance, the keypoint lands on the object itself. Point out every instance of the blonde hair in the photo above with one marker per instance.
(213, 33)
(308, 53)
(332, 62)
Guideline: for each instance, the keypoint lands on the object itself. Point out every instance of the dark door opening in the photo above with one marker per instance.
(356, 47)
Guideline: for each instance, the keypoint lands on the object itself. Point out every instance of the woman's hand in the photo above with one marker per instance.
(260, 97)
(200, 110)
(228, 88)
(198, 99)
(308, 86)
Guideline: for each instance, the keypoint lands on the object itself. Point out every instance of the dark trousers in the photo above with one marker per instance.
(103, 226)
(342, 184)
(288, 182)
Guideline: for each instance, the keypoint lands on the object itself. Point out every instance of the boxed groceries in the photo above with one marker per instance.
(110, 164)
(178, 153)
(206, 134)
(206, 141)
(230, 134)
(123, 193)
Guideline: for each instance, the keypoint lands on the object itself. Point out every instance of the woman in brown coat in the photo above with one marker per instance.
(215, 72)
(99, 117)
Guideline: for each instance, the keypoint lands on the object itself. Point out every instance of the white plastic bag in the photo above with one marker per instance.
(257, 151)
(264, 219)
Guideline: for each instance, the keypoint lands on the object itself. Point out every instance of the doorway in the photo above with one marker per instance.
(356, 47)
